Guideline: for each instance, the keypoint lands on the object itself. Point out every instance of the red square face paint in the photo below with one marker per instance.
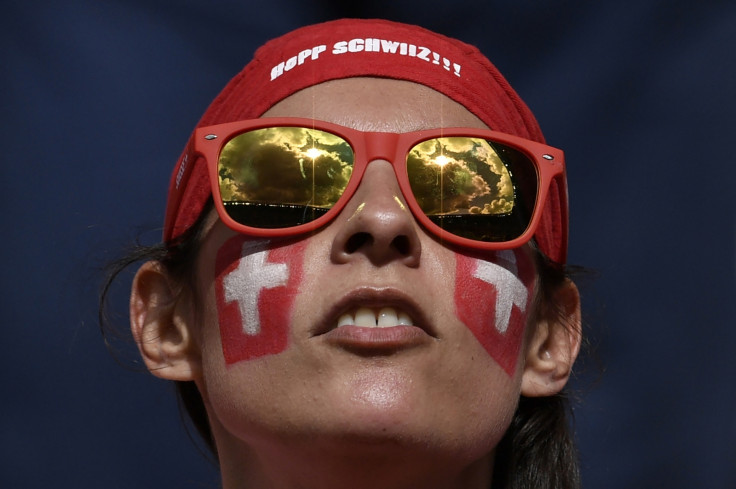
(493, 300)
(255, 287)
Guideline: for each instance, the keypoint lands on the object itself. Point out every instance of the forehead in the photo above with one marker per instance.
(376, 104)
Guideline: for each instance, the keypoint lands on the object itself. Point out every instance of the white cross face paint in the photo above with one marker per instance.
(244, 284)
(492, 300)
(255, 288)
(510, 291)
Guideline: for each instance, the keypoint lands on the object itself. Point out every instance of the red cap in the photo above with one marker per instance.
(357, 47)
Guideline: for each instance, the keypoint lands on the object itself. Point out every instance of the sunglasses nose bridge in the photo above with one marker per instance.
(381, 146)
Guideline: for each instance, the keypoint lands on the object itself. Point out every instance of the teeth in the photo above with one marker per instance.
(344, 320)
(405, 320)
(368, 318)
(365, 317)
(387, 317)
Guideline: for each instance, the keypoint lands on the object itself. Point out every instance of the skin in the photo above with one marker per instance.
(254, 314)
(325, 412)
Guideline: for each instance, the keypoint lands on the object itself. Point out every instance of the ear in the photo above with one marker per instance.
(554, 344)
(162, 323)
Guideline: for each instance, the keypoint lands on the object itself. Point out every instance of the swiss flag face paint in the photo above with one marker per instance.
(255, 287)
(493, 301)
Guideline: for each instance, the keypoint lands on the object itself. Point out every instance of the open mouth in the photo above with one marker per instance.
(368, 311)
(367, 317)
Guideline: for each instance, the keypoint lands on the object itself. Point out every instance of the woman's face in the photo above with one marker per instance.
(294, 355)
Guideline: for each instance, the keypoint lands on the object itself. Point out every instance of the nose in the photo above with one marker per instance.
(376, 224)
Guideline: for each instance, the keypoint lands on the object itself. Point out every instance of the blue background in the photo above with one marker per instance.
(97, 100)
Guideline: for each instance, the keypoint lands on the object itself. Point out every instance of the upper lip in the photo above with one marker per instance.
(375, 297)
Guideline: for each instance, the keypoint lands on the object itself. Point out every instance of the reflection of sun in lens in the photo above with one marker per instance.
(313, 153)
(441, 160)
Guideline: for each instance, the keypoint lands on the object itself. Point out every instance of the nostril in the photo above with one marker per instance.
(357, 241)
(402, 244)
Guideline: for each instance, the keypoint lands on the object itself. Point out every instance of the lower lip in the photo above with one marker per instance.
(364, 338)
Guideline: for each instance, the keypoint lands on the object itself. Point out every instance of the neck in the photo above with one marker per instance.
(312, 464)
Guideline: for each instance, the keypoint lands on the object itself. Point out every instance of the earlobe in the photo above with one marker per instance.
(554, 344)
(162, 326)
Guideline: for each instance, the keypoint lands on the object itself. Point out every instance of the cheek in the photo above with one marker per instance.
(255, 287)
(492, 298)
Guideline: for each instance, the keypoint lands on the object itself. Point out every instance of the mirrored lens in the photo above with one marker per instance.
(473, 187)
(283, 176)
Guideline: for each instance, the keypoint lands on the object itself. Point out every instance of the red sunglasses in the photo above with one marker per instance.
(285, 176)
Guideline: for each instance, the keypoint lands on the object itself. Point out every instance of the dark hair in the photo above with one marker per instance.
(538, 450)
(178, 258)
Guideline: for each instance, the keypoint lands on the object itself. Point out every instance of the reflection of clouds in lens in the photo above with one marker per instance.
(285, 165)
(498, 206)
(459, 175)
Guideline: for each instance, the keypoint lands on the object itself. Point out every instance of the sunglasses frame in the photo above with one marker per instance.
(549, 163)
